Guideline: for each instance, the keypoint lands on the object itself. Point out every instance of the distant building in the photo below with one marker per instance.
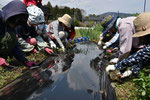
(95, 19)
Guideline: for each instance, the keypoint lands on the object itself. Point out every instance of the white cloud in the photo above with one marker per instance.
(99, 6)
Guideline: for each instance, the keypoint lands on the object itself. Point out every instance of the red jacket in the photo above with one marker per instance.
(71, 33)
(33, 2)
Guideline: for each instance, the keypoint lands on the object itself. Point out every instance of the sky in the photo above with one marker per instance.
(100, 6)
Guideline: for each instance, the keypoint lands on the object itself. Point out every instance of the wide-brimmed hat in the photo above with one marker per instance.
(66, 19)
(142, 24)
(108, 22)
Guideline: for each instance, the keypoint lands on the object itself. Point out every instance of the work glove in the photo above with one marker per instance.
(115, 60)
(99, 43)
(107, 43)
(3, 62)
(30, 64)
(104, 47)
(49, 51)
(52, 44)
(63, 49)
(110, 51)
(126, 74)
(35, 51)
(110, 68)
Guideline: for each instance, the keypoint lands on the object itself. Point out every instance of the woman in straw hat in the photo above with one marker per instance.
(140, 59)
(56, 30)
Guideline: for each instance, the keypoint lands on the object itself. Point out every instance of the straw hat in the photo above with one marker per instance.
(142, 24)
(66, 19)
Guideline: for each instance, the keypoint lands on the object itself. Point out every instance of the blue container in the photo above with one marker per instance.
(80, 39)
(76, 40)
(84, 39)
(88, 38)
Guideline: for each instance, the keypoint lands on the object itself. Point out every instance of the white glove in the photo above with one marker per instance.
(110, 68)
(126, 74)
(115, 60)
(99, 43)
(63, 49)
(107, 43)
(52, 44)
(104, 47)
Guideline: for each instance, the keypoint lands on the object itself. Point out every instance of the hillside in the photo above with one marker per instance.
(115, 13)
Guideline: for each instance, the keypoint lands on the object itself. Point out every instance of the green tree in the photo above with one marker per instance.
(78, 14)
(56, 12)
(49, 5)
(75, 13)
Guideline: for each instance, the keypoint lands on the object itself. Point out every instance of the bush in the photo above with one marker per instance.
(76, 23)
(143, 85)
(92, 33)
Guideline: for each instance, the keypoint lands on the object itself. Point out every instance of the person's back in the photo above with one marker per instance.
(127, 21)
(126, 30)
(54, 26)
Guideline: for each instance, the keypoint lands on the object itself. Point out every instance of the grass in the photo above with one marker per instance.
(7, 76)
(133, 88)
(92, 33)
(125, 88)
(126, 91)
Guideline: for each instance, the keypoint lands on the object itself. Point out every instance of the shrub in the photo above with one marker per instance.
(76, 23)
(93, 33)
(143, 85)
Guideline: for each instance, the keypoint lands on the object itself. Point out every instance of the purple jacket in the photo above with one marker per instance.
(10, 46)
(127, 42)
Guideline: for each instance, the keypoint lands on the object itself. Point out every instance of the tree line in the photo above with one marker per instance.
(56, 12)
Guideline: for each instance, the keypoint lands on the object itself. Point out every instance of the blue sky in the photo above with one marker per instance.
(100, 6)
